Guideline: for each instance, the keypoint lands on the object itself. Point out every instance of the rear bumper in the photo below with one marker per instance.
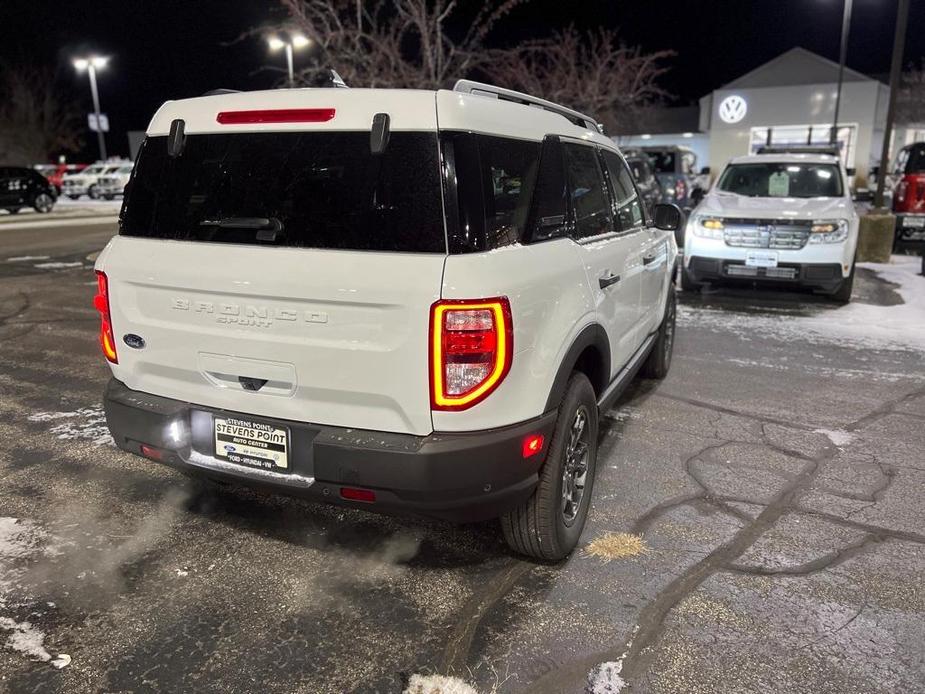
(821, 276)
(460, 477)
(910, 228)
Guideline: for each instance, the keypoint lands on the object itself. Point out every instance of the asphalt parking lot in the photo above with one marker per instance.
(771, 489)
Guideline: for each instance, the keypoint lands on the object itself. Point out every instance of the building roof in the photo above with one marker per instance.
(796, 66)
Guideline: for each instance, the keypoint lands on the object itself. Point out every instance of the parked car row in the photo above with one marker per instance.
(90, 181)
(668, 174)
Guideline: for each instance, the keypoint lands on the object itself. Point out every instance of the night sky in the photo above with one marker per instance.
(171, 49)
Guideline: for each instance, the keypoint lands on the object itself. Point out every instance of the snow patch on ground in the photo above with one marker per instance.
(85, 424)
(858, 325)
(57, 265)
(438, 684)
(24, 258)
(838, 437)
(606, 677)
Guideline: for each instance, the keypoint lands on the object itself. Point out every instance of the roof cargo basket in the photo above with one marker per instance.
(482, 89)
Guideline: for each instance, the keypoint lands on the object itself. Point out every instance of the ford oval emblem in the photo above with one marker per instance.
(134, 341)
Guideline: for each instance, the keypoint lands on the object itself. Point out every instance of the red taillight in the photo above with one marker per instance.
(101, 303)
(152, 453)
(471, 350)
(532, 445)
(354, 494)
(279, 115)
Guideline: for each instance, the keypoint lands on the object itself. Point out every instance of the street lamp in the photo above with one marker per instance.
(845, 24)
(295, 42)
(91, 64)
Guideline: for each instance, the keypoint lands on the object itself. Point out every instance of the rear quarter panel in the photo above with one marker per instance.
(550, 305)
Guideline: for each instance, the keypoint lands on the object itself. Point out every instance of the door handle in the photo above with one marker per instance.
(608, 280)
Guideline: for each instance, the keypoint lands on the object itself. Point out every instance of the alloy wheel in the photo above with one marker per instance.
(575, 467)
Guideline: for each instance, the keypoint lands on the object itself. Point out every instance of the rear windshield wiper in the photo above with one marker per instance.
(266, 227)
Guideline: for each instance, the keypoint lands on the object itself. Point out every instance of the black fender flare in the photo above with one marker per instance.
(591, 336)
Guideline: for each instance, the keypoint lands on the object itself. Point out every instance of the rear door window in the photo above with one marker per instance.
(916, 163)
(590, 203)
(313, 190)
(627, 208)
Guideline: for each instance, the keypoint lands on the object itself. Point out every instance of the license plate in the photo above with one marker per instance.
(253, 444)
(914, 222)
(761, 259)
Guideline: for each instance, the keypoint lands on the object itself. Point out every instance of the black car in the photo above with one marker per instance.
(646, 181)
(21, 187)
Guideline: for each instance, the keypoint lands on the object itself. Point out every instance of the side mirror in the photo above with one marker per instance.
(705, 171)
(668, 217)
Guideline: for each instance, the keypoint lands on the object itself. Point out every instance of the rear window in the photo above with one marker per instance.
(916, 163)
(314, 190)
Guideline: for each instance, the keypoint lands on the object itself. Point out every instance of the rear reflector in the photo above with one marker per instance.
(101, 304)
(353, 494)
(279, 115)
(533, 444)
(151, 452)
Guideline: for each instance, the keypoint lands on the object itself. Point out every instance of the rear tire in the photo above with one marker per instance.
(43, 203)
(548, 525)
(842, 295)
(93, 192)
(74, 197)
(659, 360)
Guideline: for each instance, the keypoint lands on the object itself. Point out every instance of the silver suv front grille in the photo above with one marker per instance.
(778, 234)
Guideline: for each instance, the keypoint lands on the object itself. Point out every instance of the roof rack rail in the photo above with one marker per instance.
(799, 149)
(219, 92)
(472, 87)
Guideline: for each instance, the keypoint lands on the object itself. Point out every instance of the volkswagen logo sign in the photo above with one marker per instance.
(732, 109)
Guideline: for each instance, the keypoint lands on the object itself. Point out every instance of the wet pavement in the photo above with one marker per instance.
(776, 480)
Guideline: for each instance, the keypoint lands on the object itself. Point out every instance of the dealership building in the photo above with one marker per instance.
(789, 100)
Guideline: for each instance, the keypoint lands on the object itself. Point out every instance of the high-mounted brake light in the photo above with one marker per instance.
(471, 347)
(101, 303)
(278, 115)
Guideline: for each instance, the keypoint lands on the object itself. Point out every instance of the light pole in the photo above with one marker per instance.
(295, 42)
(846, 22)
(91, 64)
(899, 45)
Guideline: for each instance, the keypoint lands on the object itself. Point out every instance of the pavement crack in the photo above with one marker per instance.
(459, 643)
(884, 410)
(822, 563)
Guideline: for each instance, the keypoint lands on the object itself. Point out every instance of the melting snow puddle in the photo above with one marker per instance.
(606, 677)
(85, 424)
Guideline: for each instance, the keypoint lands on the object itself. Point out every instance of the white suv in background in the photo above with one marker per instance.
(112, 183)
(86, 182)
(401, 300)
(775, 218)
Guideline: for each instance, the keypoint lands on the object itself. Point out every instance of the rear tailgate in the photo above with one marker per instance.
(339, 336)
(282, 269)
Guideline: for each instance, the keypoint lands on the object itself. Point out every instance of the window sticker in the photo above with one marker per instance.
(779, 184)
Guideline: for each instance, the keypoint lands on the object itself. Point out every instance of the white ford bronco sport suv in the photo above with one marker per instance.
(406, 301)
(775, 218)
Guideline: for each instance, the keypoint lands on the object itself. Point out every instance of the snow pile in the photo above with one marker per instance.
(438, 684)
(902, 325)
(838, 437)
(605, 678)
(85, 424)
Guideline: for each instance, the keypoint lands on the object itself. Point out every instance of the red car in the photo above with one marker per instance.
(909, 195)
(55, 172)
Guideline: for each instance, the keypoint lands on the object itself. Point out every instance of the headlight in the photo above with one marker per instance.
(708, 227)
(829, 231)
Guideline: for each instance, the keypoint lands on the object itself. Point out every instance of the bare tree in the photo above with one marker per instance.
(593, 73)
(394, 43)
(36, 122)
(910, 101)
